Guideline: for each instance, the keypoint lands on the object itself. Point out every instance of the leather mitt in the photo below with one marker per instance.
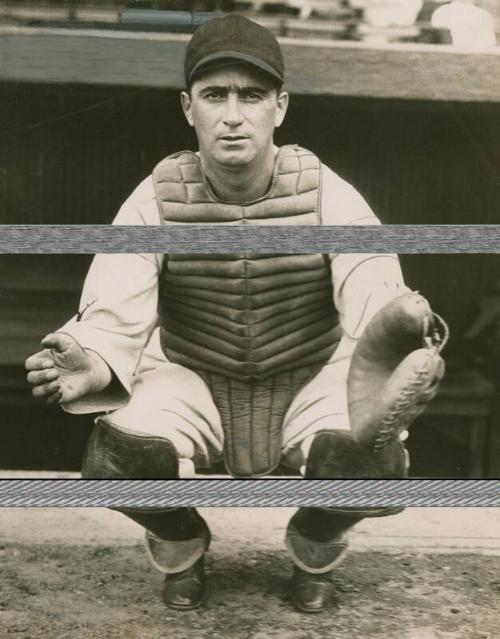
(395, 369)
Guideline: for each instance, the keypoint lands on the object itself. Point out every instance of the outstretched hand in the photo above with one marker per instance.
(63, 371)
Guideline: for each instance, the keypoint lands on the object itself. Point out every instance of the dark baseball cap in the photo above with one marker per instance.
(229, 39)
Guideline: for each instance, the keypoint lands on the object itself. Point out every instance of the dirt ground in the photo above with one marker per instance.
(110, 592)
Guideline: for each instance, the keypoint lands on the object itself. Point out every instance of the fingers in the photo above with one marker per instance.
(44, 391)
(40, 377)
(39, 361)
(42, 372)
(57, 341)
(55, 398)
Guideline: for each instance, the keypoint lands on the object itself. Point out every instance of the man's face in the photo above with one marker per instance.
(234, 112)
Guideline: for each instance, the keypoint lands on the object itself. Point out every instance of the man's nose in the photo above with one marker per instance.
(233, 115)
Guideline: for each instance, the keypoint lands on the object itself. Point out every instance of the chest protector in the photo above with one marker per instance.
(256, 327)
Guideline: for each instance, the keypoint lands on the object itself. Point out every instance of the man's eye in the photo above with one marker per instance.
(214, 96)
(252, 97)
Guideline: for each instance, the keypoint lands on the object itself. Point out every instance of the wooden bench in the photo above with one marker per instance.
(467, 397)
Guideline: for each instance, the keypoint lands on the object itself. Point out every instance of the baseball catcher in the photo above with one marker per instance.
(266, 363)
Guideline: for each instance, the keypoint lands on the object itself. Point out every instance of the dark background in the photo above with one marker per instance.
(72, 154)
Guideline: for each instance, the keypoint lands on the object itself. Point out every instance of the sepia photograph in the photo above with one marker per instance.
(427, 573)
(401, 107)
(152, 366)
(250, 364)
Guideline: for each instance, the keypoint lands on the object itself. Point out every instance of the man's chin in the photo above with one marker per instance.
(234, 159)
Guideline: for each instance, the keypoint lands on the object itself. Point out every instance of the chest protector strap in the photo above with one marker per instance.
(247, 323)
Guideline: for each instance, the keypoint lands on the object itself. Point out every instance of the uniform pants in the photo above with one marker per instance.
(173, 404)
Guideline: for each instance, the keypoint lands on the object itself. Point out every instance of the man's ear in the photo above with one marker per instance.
(186, 107)
(283, 99)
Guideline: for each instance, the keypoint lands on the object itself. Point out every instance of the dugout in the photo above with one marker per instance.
(415, 128)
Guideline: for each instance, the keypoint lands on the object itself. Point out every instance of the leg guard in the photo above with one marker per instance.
(335, 455)
(181, 539)
(317, 540)
(176, 537)
(115, 454)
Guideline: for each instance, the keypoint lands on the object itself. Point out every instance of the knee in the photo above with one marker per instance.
(115, 454)
(335, 455)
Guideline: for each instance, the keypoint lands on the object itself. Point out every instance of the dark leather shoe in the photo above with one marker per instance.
(186, 590)
(311, 592)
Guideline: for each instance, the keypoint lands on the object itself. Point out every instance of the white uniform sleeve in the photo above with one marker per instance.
(362, 282)
(118, 308)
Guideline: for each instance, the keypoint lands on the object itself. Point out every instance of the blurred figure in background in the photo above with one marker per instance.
(471, 27)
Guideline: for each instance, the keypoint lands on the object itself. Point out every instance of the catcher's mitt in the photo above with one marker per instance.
(395, 369)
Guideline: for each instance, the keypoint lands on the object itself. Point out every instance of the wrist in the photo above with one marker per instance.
(101, 375)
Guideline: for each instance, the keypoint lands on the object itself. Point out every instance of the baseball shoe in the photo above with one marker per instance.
(186, 590)
(311, 593)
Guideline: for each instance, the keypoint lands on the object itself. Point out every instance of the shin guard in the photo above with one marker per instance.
(114, 454)
(335, 455)
(317, 540)
(175, 537)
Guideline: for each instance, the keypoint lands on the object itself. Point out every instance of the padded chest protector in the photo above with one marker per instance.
(256, 327)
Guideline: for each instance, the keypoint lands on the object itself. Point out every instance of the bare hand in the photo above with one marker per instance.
(64, 371)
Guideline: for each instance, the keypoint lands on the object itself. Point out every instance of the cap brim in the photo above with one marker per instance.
(215, 60)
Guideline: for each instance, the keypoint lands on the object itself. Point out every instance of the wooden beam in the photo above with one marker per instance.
(314, 67)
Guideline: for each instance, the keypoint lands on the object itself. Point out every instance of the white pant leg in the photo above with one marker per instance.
(319, 405)
(171, 401)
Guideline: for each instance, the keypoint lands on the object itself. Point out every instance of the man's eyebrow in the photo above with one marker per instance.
(242, 88)
(254, 89)
(214, 87)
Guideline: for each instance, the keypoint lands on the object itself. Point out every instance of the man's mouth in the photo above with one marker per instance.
(233, 138)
